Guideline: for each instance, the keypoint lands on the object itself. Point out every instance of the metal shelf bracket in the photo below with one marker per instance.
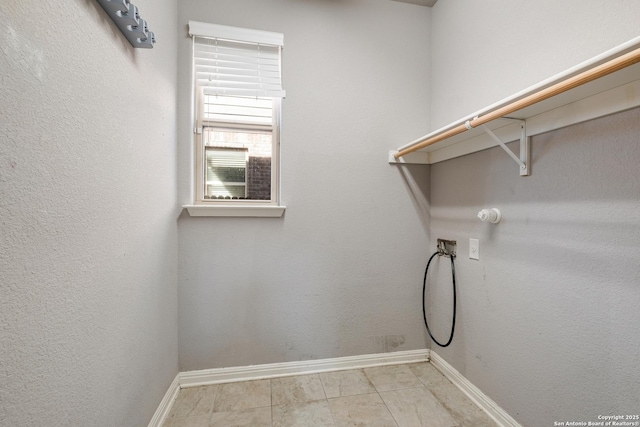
(525, 146)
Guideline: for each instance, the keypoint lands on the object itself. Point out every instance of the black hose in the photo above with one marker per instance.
(424, 291)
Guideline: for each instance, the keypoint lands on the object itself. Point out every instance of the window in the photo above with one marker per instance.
(226, 173)
(237, 93)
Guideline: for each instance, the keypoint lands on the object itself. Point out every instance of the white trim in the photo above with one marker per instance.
(268, 211)
(226, 32)
(474, 393)
(274, 370)
(165, 405)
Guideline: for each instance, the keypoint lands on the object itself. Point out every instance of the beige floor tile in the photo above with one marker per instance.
(194, 401)
(243, 395)
(427, 374)
(460, 406)
(361, 410)
(394, 377)
(413, 407)
(306, 414)
(389, 396)
(256, 417)
(298, 389)
(199, 421)
(346, 383)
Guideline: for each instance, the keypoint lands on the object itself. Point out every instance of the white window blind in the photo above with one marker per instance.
(238, 110)
(233, 61)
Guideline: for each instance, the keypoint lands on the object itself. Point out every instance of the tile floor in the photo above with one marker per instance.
(396, 396)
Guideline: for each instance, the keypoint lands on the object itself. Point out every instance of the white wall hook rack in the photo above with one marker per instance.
(525, 146)
(127, 18)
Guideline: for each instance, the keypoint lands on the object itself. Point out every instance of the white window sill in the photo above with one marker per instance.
(268, 211)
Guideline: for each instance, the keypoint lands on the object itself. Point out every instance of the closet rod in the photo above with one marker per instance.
(602, 70)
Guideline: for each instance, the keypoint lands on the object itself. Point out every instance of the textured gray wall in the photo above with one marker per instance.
(88, 236)
(547, 321)
(548, 316)
(339, 274)
(483, 52)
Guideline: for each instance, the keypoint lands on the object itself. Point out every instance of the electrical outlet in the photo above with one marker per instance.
(474, 249)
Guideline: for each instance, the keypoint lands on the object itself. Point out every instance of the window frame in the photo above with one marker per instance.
(232, 207)
(201, 164)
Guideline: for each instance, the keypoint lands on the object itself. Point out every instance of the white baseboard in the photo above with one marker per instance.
(273, 370)
(244, 373)
(167, 402)
(474, 393)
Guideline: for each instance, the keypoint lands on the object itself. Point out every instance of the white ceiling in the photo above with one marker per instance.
(419, 2)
